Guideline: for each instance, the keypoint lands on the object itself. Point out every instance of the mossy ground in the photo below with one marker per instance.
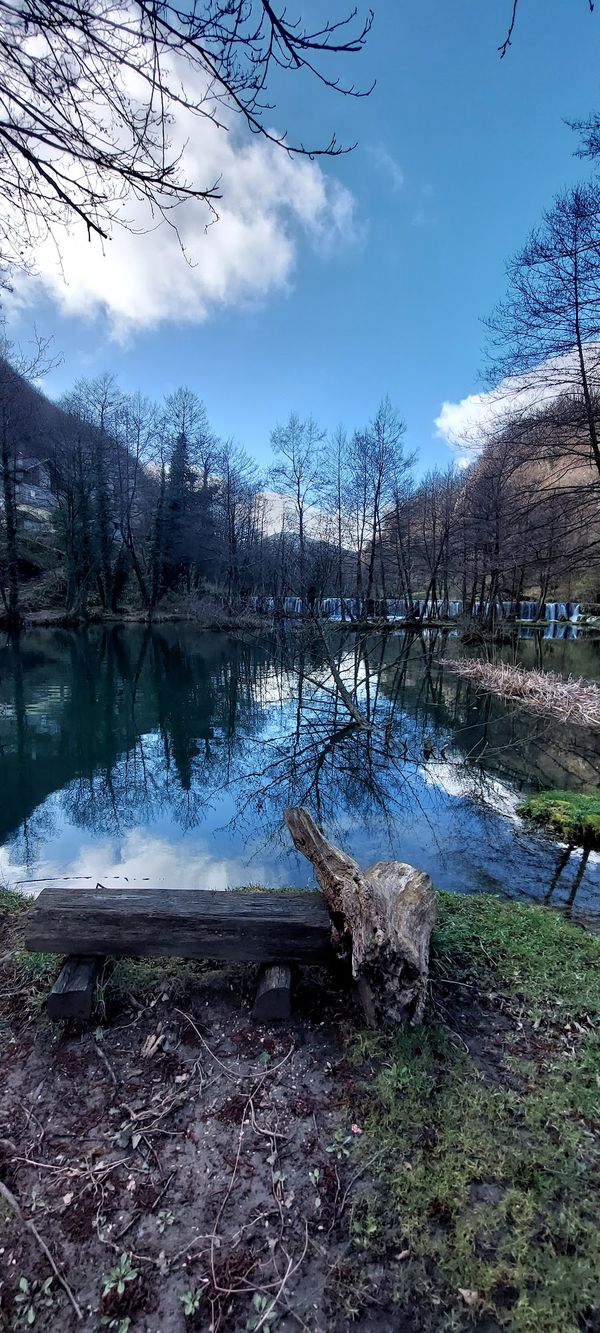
(474, 1198)
(488, 1122)
(575, 816)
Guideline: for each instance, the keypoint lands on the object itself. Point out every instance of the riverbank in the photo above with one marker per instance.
(187, 1169)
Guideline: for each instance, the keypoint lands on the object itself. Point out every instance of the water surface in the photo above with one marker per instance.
(170, 755)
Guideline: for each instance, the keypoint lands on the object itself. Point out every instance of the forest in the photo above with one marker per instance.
(113, 503)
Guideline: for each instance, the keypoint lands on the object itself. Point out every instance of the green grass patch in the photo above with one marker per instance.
(574, 816)
(487, 1119)
(11, 901)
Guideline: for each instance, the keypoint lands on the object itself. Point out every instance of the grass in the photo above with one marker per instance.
(575, 816)
(488, 1121)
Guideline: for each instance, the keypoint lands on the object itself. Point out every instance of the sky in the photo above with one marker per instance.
(327, 284)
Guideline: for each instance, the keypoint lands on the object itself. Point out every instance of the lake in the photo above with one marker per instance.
(170, 755)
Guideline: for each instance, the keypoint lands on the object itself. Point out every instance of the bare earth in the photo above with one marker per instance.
(180, 1134)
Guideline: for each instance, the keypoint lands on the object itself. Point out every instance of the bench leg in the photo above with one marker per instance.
(273, 995)
(73, 991)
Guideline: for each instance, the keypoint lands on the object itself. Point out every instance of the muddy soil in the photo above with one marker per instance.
(186, 1168)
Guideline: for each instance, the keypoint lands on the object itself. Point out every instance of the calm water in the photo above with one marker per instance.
(171, 755)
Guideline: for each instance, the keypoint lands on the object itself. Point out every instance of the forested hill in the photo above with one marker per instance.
(110, 502)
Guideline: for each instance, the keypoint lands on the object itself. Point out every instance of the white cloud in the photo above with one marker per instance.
(388, 165)
(466, 423)
(141, 278)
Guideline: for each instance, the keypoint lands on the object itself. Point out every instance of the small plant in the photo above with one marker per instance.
(363, 1230)
(165, 1218)
(191, 1301)
(256, 1318)
(314, 1176)
(117, 1278)
(340, 1147)
(33, 1297)
(116, 1325)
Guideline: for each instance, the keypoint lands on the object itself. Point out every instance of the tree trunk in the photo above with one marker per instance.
(382, 919)
(13, 618)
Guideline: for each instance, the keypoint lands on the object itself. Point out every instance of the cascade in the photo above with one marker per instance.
(527, 610)
(396, 608)
(292, 606)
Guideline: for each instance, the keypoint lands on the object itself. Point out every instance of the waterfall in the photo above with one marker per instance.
(331, 608)
(396, 608)
(292, 606)
(528, 610)
(263, 605)
(574, 612)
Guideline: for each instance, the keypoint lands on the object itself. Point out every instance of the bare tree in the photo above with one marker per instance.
(544, 339)
(297, 475)
(89, 90)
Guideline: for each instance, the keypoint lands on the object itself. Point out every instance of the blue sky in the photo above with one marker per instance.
(375, 279)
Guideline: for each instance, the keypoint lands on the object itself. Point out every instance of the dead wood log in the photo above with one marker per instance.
(382, 920)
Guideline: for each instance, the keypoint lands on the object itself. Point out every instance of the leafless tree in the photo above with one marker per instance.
(89, 90)
(544, 338)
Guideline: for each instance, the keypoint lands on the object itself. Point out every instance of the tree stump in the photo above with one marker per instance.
(382, 920)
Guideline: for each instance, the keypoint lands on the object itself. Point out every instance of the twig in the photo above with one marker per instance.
(105, 1060)
(355, 1177)
(31, 1227)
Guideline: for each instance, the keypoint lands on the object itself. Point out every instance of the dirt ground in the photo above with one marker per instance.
(176, 1166)
(217, 1156)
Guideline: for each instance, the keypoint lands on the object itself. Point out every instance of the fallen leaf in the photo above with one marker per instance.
(67, 1199)
(469, 1297)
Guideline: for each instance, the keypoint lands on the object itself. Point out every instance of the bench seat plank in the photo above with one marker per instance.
(184, 923)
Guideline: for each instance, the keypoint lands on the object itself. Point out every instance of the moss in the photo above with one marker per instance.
(487, 1119)
(575, 816)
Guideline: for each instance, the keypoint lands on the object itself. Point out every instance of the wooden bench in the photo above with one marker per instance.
(90, 924)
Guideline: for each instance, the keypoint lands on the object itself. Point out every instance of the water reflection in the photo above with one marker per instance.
(171, 754)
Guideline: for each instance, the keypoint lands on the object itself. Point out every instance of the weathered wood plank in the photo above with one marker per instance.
(73, 991)
(273, 994)
(184, 923)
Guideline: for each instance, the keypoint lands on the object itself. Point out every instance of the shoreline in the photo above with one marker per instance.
(251, 622)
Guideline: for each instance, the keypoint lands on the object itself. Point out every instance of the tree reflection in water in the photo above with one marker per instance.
(110, 730)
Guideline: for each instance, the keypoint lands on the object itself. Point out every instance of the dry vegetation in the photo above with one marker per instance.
(570, 699)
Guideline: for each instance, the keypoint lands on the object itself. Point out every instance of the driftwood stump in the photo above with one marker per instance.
(382, 920)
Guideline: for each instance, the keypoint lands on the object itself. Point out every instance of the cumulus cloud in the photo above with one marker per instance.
(466, 423)
(153, 274)
(468, 420)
